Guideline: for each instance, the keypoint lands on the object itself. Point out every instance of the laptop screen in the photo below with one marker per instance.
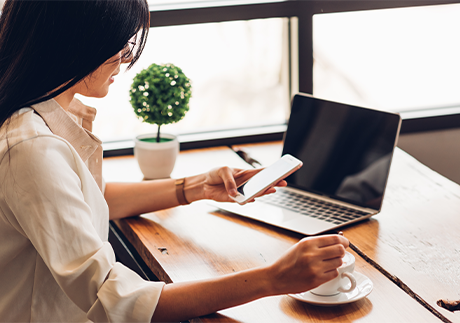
(346, 150)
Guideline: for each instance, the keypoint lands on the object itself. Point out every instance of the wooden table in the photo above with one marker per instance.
(410, 250)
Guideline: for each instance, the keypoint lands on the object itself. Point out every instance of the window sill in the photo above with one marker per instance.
(413, 122)
(430, 119)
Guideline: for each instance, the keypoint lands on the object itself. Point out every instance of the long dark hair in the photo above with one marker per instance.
(46, 47)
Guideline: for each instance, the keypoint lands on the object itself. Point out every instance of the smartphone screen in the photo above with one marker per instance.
(267, 176)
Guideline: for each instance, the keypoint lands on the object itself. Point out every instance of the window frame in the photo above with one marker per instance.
(174, 14)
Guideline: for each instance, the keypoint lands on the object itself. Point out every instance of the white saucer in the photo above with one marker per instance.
(363, 288)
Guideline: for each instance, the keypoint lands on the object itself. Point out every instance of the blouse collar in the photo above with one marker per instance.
(73, 125)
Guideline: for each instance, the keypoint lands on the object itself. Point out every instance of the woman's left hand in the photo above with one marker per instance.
(221, 182)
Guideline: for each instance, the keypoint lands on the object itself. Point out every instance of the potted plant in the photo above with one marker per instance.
(160, 95)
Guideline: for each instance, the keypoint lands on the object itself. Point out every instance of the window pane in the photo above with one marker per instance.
(239, 73)
(394, 59)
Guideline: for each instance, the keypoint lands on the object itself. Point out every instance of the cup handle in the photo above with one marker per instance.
(352, 281)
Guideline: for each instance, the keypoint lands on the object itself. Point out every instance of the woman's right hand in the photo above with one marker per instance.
(306, 265)
(219, 183)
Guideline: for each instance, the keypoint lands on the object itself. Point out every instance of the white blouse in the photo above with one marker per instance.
(56, 264)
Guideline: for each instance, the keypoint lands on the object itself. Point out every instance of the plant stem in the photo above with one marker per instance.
(158, 134)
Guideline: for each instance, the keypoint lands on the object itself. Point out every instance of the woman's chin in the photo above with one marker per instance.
(99, 94)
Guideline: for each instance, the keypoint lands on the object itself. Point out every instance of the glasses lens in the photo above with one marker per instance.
(128, 50)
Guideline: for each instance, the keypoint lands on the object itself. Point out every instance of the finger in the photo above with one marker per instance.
(332, 239)
(238, 172)
(326, 276)
(226, 174)
(271, 190)
(334, 251)
(247, 173)
(332, 264)
(281, 183)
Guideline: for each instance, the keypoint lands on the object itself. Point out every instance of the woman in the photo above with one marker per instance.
(56, 264)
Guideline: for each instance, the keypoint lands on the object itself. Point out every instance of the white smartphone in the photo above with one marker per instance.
(267, 177)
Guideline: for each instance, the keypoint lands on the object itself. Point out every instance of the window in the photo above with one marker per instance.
(244, 61)
(239, 72)
(400, 60)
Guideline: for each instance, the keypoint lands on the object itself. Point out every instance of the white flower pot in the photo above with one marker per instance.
(156, 159)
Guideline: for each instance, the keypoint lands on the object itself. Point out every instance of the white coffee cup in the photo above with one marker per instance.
(341, 282)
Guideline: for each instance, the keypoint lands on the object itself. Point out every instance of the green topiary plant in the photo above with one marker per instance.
(160, 95)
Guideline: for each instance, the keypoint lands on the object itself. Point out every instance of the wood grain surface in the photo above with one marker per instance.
(416, 236)
(197, 241)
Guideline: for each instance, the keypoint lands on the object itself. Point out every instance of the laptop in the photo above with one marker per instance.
(346, 152)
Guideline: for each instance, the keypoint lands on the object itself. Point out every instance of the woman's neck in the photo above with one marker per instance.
(65, 98)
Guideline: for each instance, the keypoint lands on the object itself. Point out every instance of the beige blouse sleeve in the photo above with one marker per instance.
(47, 205)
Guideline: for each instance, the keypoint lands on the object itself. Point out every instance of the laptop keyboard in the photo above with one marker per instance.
(312, 207)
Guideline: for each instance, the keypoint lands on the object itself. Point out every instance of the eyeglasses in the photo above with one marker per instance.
(128, 50)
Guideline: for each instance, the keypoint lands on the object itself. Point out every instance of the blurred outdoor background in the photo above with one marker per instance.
(393, 59)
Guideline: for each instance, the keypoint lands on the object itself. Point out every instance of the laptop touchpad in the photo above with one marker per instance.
(259, 211)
